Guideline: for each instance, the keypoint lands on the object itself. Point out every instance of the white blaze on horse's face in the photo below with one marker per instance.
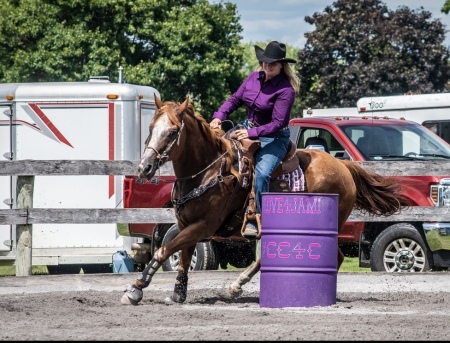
(157, 145)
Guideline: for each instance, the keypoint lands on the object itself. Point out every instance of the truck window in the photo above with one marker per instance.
(376, 140)
(393, 141)
(439, 127)
(317, 136)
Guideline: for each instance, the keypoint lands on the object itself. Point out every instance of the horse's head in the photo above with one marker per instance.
(165, 131)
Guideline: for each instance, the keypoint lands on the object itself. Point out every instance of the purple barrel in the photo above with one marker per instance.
(299, 249)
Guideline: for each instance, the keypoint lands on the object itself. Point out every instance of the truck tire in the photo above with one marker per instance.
(400, 248)
(204, 257)
(237, 255)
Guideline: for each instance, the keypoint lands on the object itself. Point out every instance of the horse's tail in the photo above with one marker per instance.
(377, 194)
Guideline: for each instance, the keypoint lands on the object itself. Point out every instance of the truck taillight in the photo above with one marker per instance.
(127, 188)
(440, 194)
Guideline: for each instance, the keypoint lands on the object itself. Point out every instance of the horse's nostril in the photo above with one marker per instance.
(147, 168)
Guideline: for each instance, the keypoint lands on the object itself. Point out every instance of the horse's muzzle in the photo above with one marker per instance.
(147, 172)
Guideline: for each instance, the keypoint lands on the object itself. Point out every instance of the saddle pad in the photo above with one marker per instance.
(295, 179)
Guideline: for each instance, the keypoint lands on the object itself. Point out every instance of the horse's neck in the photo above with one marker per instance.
(198, 156)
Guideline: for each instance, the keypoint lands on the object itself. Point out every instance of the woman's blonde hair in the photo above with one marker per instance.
(293, 79)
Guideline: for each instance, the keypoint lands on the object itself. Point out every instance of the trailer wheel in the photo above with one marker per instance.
(97, 268)
(64, 269)
(400, 248)
(204, 257)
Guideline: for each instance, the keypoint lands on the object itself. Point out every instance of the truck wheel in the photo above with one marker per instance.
(237, 255)
(204, 257)
(400, 248)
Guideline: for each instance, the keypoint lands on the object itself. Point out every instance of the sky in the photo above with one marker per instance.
(283, 20)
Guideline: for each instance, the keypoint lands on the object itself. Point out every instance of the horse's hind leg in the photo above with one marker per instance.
(340, 259)
(133, 293)
(235, 289)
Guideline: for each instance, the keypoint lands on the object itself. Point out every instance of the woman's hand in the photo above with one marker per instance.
(215, 123)
(241, 134)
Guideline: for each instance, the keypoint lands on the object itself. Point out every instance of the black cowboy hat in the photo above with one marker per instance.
(275, 52)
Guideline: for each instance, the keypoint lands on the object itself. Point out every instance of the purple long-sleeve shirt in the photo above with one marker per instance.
(269, 104)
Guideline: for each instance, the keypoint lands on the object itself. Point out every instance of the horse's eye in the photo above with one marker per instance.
(173, 134)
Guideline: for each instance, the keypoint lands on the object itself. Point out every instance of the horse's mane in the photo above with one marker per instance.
(213, 137)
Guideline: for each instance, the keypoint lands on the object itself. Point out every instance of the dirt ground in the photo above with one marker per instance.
(369, 306)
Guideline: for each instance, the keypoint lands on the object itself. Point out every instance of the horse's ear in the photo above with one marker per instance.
(183, 106)
(158, 102)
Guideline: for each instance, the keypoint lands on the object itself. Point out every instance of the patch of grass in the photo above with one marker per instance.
(351, 264)
(11, 270)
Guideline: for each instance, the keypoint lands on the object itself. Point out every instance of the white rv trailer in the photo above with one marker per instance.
(78, 121)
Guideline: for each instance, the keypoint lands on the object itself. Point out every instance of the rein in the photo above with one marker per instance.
(198, 191)
(207, 167)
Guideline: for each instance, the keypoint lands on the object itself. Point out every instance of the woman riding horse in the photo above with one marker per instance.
(209, 191)
(269, 95)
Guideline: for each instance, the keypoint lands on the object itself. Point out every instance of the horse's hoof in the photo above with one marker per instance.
(173, 300)
(133, 295)
(125, 300)
(169, 301)
(234, 293)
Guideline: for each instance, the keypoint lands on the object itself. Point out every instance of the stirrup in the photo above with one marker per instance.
(250, 229)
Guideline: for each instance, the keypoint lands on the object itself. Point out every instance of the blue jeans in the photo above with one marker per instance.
(273, 149)
(268, 158)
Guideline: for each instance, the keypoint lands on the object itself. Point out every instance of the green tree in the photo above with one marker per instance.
(180, 47)
(446, 8)
(360, 48)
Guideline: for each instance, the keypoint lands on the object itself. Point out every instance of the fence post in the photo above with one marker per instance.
(24, 233)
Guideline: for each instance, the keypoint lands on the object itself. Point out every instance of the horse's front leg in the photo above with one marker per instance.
(133, 293)
(180, 289)
(235, 289)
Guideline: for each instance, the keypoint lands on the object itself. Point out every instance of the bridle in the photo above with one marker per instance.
(164, 156)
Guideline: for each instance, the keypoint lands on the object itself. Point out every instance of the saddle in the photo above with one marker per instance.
(289, 163)
(248, 147)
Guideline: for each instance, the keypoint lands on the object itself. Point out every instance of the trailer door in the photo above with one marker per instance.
(5, 181)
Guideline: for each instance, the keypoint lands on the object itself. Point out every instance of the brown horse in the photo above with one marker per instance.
(209, 193)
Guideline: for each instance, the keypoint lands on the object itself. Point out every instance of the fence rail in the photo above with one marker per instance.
(24, 216)
(106, 167)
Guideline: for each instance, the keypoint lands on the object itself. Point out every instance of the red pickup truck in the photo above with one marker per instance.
(382, 246)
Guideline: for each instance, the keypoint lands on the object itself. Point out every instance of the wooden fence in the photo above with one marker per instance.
(24, 215)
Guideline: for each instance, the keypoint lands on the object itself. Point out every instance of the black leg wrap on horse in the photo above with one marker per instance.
(180, 289)
(147, 273)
